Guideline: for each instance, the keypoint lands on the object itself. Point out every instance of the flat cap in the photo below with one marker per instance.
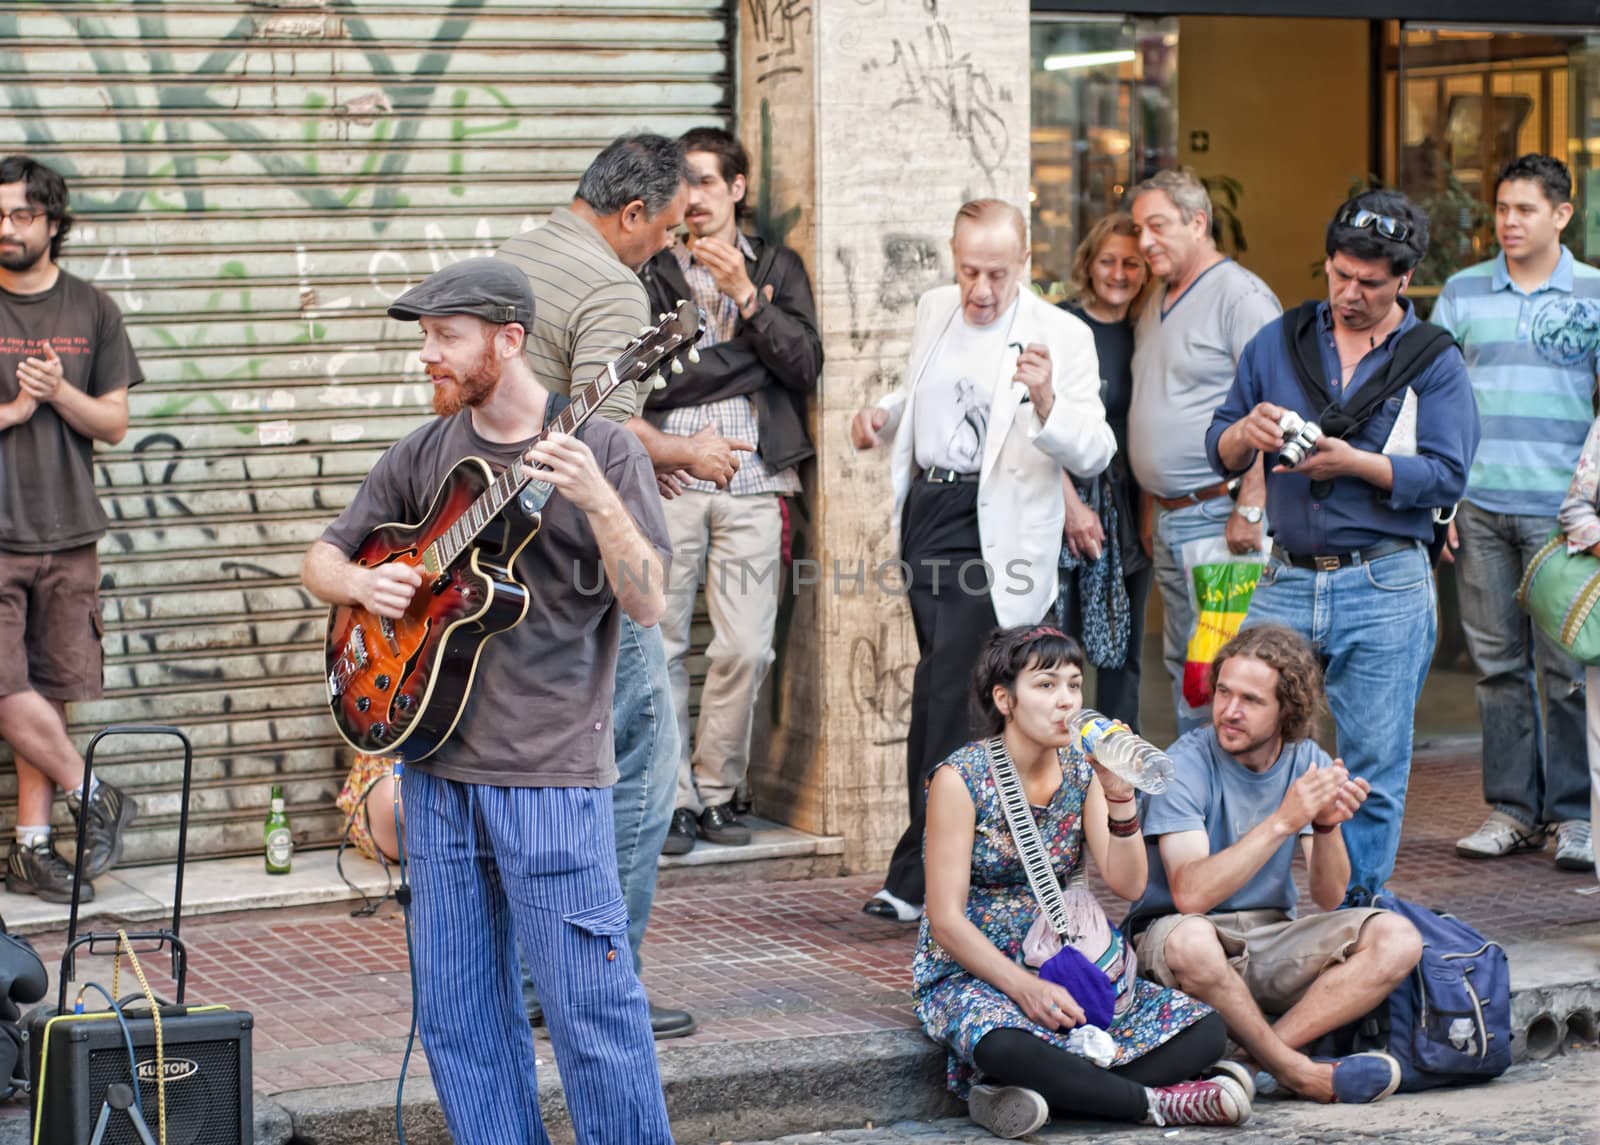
(493, 290)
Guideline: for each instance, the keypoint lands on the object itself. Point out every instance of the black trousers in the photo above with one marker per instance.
(1075, 1087)
(953, 615)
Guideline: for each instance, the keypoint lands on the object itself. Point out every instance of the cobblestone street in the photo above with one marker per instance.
(1548, 1102)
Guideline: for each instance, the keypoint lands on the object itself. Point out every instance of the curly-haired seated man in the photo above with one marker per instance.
(1217, 920)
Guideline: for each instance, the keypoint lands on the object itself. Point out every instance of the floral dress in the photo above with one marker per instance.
(958, 1008)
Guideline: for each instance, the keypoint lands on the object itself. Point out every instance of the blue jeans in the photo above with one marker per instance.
(1372, 625)
(644, 733)
(1534, 778)
(1173, 529)
(492, 868)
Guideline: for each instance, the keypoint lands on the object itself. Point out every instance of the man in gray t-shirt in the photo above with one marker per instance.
(508, 826)
(1186, 347)
(1217, 919)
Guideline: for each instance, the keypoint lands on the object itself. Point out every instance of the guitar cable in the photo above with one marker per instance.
(402, 895)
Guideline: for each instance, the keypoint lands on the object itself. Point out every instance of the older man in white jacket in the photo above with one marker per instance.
(1002, 393)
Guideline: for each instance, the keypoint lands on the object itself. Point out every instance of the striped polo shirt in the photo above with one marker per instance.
(1532, 358)
(587, 306)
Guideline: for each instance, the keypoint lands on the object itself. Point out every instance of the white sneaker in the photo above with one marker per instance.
(1574, 846)
(1228, 1067)
(1500, 835)
(1007, 1111)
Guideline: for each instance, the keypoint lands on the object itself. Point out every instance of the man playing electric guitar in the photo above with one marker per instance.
(508, 826)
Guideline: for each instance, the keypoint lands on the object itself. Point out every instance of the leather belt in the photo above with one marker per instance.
(1329, 562)
(936, 476)
(1209, 493)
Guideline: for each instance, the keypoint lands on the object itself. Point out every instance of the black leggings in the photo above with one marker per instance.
(1076, 1087)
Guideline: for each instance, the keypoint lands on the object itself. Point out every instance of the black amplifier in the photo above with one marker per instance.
(205, 1055)
(80, 1068)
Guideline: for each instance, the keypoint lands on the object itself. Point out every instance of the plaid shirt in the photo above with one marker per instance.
(736, 416)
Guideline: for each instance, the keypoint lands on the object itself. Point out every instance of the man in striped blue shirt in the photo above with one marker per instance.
(1528, 322)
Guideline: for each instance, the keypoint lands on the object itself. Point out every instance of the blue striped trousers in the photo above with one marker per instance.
(495, 867)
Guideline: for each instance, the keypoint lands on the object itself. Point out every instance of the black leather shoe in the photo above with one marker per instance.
(666, 1023)
(681, 835)
(721, 825)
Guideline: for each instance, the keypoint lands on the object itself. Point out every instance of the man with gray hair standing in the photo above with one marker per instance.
(1187, 345)
(582, 265)
(1001, 393)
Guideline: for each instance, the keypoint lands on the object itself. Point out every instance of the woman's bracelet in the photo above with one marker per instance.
(1123, 828)
(1321, 830)
(1124, 799)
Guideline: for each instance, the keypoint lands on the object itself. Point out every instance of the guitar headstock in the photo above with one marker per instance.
(661, 345)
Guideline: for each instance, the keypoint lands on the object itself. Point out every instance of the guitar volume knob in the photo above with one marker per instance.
(378, 732)
(381, 683)
(363, 703)
(405, 702)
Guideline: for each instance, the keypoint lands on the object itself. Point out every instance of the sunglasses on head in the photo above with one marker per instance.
(1387, 226)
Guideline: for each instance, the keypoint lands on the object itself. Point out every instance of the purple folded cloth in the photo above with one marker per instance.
(1086, 982)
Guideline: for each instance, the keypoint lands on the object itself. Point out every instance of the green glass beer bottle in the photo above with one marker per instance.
(280, 843)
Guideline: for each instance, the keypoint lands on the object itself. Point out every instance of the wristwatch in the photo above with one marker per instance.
(1251, 513)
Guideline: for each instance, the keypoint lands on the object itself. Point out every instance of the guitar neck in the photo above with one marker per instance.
(510, 483)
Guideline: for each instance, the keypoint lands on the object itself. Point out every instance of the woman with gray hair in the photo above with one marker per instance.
(1579, 517)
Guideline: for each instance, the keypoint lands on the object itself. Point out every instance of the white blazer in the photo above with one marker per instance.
(1020, 509)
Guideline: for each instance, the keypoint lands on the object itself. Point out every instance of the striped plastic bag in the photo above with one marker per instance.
(1220, 585)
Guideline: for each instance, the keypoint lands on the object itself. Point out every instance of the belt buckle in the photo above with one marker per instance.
(1326, 564)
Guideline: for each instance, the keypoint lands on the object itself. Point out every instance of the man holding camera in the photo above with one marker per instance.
(1353, 518)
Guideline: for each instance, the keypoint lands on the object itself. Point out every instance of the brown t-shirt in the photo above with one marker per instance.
(539, 713)
(47, 497)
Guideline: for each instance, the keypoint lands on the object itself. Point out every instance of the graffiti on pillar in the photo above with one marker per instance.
(929, 72)
(776, 27)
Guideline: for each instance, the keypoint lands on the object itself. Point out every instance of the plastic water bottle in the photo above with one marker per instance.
(1122, 751)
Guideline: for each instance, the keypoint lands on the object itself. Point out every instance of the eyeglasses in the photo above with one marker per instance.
(21, 217)
(1388, 226)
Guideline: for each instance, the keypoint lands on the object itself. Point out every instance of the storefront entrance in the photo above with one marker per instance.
(1284, 117)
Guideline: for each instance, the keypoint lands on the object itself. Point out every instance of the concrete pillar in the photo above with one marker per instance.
(869, 122)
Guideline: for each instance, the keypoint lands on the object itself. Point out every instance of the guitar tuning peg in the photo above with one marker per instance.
(677, 365)
(663, 316)
(658, 383)
(647, 330)
(694, 354)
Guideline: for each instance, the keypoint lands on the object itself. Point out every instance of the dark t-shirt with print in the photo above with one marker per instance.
(539, 713)
(47, 497)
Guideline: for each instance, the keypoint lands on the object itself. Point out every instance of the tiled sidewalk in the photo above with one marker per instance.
(753, 961)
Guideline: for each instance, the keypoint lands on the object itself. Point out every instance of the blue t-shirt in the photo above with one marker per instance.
(1215, 793)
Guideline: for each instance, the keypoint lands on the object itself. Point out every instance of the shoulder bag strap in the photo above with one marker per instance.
(1025, 832)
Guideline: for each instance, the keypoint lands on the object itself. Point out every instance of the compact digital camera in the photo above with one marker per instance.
(1300, 437)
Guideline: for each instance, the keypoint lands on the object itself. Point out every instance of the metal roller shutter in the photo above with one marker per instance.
(253, 182)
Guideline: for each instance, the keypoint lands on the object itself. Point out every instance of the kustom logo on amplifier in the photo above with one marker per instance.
(177, 1069)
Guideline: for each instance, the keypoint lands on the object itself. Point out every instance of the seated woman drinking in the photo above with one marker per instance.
(1005, 1025)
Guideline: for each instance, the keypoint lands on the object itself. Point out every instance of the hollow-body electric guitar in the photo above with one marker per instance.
(398, 687)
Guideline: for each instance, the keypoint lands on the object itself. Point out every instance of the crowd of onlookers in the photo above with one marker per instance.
(1049, 465)
(1340, 449)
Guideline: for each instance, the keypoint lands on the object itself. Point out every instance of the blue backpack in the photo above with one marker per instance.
(1449, 1022)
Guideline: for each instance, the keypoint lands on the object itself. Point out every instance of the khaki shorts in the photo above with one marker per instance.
(50, 624)
(1278, 957)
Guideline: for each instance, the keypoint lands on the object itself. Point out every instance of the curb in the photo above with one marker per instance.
(717, 1092)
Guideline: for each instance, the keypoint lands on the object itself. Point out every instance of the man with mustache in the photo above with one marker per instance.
(1217, 920)
(508, 827)
(66, 366)
(582, 265)
(760, 356)
(1354, 518)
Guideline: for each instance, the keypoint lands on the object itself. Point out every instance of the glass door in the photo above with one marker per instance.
(1105, 115)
